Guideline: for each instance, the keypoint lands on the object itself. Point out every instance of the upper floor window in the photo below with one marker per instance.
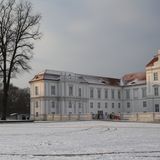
(70, 90)
(156, 91)
(53, 90)
(143, 92)
(112, 105)
(127, 94)
(106, 93)
(119, 94)
(112, 93)
(36, 104)
(155, 76)
(79, 92)
(135, 93)
(99, 93)
(91, 93)
(36, 90)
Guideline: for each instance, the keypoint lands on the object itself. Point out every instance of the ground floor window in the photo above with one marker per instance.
(128, 105)
(106, 105)
(98, 105)
(144, 104)
(91, 104)
(36, 114)
(156, 107)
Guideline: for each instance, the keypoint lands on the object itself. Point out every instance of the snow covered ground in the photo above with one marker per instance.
(92, 140)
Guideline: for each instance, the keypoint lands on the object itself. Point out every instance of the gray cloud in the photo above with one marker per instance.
(101, 37)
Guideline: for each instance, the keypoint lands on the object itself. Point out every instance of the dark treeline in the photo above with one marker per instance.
(18, 101)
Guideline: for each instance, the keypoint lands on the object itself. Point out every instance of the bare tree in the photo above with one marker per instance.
(19, 27)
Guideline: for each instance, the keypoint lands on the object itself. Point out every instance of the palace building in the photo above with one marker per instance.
(66, 93)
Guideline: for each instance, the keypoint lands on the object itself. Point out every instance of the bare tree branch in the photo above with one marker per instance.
(19, 27)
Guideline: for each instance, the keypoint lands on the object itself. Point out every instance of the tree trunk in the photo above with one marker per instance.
(4, 102)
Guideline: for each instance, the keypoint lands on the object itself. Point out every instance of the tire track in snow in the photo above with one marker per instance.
(86, 154)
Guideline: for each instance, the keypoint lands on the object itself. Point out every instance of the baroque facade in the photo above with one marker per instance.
(66, 93)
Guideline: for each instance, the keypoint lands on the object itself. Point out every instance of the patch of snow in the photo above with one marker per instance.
(90, 140)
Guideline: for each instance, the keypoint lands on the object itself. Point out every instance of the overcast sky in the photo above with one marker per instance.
(100, 37)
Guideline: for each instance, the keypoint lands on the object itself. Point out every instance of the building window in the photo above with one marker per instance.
(79, 92)
(112, 92)
(98, 105)
(106, 93)
(70, 105)
(36, 114)
(112, 105)
(144, 104)
(53, 104)
(70, 90)
(135, 93)
(128, 105)
(127, 94)
(143, 92)
(36, 90)
(119, 105)
(119, 94)
(91, 93)
(36, 104)
(106, 105)
(82, 108)
(74, 108)
(156, 93)
(91, 104)
(79, 105)
(156, 107)
(155, 76)
(53, 90)
(99, 93)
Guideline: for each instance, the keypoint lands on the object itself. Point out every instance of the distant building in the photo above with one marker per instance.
(66, 93)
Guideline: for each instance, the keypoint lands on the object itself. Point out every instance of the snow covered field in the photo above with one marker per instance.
(92, 140)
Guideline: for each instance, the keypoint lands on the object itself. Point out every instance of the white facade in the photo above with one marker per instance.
(66, 93)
